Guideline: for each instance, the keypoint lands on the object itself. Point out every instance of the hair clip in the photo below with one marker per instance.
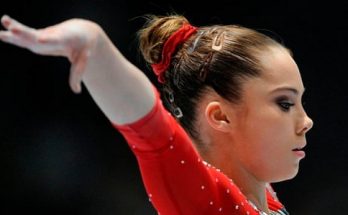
(177, 112)
(169, 100)
(176, 79)
(170, 96)
(193, 46)
(217, 44)
(203, 70)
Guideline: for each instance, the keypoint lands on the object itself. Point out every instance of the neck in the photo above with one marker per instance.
(253, 189)
(217, 152)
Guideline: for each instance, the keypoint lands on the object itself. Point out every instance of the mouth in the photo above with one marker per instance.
(299, 151)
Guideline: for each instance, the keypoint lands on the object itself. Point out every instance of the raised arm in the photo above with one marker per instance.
(118, 87)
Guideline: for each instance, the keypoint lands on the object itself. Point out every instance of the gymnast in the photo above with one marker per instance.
(225, 123)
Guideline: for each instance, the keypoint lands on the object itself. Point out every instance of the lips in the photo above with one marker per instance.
(299, 151)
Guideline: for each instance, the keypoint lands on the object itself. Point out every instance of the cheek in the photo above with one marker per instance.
(268, 125)
(266, 152)
(265, 128)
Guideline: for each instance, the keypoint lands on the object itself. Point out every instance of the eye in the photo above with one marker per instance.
(285, 105)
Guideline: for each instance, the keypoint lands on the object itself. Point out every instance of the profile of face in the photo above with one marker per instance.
(268, 127)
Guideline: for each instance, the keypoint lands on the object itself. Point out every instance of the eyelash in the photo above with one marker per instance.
(285, 105)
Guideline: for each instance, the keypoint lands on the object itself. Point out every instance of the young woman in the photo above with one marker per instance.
(231, 122)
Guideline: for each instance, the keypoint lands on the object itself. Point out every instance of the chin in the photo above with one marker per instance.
(285, 176)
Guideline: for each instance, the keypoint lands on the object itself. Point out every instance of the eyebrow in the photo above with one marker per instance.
(291, 89)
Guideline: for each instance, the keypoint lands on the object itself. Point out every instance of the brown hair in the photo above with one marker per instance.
(197, 66)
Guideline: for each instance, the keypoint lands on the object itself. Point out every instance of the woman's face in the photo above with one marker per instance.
(271, 123)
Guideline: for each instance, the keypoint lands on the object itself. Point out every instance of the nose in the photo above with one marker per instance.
(306, 125)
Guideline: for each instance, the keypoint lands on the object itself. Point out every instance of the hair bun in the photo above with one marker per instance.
(155, 33)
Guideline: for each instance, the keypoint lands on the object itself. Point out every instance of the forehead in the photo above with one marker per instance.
(279, 70)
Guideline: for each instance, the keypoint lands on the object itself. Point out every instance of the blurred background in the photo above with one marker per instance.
(60, 155)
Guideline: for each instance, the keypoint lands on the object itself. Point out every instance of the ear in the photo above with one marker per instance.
(217, 117)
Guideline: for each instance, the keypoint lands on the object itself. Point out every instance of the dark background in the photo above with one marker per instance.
(60, 155)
